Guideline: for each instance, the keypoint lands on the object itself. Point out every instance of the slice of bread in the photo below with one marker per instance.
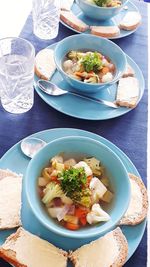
(130, 21)
(70, 19)
(129, 72)
(24, 249)
(44, 64)
(128, 92)
(111, 250)
(10, 199)
(138, 207)
(10, 202)
(105, 31)
(6, 173)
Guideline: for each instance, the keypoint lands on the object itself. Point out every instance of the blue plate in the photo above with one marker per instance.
(115, 21)
(80, 108)
(133, 233)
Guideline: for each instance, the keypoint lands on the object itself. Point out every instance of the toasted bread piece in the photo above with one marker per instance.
(6, 173)
(138, 207)
(10, 199)
(105, 31)
(130, 21)
(128, 92)
(44, 64)
(129, 72)
(111, 250)
(23, 249)
(70, 19)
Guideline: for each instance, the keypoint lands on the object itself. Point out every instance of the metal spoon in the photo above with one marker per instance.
(31, 145)
(53, 90)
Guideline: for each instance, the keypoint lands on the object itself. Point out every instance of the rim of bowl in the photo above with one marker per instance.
(101, 7)
(63, 231)
(90, 36)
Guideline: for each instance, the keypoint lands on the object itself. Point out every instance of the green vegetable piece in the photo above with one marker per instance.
(52, 191)
(72, 182)
(91, 62)
(101, 2)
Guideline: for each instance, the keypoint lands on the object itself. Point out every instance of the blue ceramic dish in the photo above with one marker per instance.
(91, 43)
(118, 178)
(99, 13)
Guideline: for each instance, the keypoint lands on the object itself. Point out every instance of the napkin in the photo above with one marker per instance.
(66, 4)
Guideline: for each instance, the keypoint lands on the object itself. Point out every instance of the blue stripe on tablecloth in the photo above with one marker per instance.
(128, 132)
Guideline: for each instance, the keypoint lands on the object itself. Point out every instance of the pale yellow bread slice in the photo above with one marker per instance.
(111, 250)
(6, 172)
(128, 92)
(129, 72)
(138, 207)
(44, 64)
(70, 19)
(10, 199)
(105, 31)
(130, 21)
(24, 249)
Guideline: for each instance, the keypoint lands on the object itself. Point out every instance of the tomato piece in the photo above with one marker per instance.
(83, 220)
(72, 226)
(81, 212)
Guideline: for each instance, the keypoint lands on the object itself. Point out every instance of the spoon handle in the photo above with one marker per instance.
(104, 102)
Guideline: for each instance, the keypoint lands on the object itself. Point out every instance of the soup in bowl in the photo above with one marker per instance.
(101, 9)
(82, 194)
(89, 63)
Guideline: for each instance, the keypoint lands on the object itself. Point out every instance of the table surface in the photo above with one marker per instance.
(127, 132)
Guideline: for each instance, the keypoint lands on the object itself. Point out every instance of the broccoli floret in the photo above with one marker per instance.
(52, 191)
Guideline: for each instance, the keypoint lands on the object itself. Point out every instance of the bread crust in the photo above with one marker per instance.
(39, 74)
(73, 24)
(131, 27)
(99, 31)
(141, 216)
(132, 101)
(123, 250)
(10, 255)
(123, 245)
(131, 104)
(16, 216)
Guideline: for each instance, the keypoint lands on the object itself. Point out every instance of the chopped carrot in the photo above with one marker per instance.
(89, 178)
(105, 70)
(72, 226)
(84, 74)
(81, 212)
(53, 178)
(83, 220)
(80, 74)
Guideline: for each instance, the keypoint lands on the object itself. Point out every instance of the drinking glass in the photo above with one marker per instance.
(16, 74)
(45, 14)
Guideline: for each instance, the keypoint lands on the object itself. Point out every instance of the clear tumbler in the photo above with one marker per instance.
(16, 74)
(45, 14)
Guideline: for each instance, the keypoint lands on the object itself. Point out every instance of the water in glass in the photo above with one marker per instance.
(45, 15)
(16, 75)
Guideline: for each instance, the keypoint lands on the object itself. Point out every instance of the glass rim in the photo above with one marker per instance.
(21, 39)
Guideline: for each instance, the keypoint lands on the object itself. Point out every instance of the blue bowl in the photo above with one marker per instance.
(118, 178)
(92, 43)
(99, 13)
